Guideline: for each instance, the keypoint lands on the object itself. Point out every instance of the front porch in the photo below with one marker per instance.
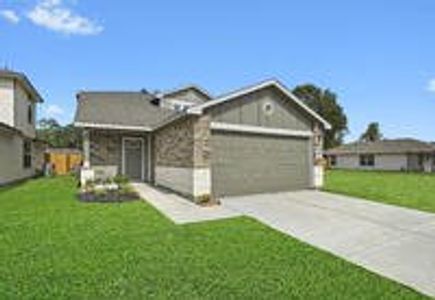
(108, 153)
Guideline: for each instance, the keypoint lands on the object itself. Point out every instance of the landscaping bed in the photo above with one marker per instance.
(117, 189)
(109, 196)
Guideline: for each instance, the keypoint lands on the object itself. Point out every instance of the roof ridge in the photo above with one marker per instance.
(399, 145)
(111, 92)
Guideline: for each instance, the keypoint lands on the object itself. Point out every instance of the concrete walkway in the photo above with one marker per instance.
(395, 242)
(179, 209)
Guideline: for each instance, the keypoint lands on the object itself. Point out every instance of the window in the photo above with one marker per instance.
(27, 154)
(367, 160)
(30, 114)
(180, 107)
(421, 160)
(268, 108)
(317, 140)
(333, 160)
(177, 107)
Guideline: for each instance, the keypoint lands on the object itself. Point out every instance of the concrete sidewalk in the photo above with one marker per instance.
(395, 242)
(179, 209)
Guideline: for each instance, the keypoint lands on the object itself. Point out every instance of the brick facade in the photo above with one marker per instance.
(318, 136)
(184, 143)
(105, 148)
(201, 149)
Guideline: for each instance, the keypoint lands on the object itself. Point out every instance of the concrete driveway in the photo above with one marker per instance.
(395, 242)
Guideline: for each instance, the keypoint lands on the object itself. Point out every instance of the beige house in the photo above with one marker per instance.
(21, 155)
(254, 140)
(388, 155)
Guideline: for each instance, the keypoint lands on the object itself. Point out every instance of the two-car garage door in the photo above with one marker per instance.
(249, 163)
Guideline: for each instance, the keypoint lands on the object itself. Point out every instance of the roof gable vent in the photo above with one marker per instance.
(155, 101)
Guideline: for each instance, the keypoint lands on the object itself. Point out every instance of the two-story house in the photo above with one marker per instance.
(20, 153)
(257, 139)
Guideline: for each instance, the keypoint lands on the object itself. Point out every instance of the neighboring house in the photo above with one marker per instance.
(21, 155)
(254, 140)
(389, 155)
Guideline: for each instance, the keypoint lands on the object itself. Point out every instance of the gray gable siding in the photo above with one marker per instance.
(250, 110)
(188, 95)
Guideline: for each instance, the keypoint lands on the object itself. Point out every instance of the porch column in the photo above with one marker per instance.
(428, 163)
(86, 149)
(318, 161)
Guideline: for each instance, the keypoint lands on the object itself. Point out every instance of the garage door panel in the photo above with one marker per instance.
(246, 163)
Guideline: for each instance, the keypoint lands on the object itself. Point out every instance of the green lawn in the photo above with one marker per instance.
(54, 247)
(414, 190)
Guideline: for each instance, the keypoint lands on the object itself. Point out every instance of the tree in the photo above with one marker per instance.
(58, 136)
(372, 133)
(324, 102)
(48, 124)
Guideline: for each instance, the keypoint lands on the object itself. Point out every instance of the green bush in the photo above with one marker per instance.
(127, 189)
(120, 179)
(90, 184)
(101, 192)
(203, 199)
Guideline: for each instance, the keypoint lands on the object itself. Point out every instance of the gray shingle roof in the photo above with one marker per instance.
(6, 128)
(22, 78)
(396, 146)
(132, 109)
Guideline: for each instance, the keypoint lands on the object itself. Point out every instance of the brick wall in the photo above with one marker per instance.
(318, 141)
(105, 148)
(182, 156)
(184, 143)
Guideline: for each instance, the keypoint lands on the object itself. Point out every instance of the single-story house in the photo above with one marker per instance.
(390, 155)
(254, 140)
(21, 154)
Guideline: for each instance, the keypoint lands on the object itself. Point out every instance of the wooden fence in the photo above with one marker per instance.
(63, 161)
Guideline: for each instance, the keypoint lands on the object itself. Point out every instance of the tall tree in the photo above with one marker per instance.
(324, 102)
(50, 123)
(372, 133)
(58, 136)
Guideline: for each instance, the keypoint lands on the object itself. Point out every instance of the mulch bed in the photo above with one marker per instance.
(108, 197)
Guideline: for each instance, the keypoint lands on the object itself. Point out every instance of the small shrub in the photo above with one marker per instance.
(120, 179)
(127, 189)
(101, 192)
(90, 184)
(205, 199)
(109, 181)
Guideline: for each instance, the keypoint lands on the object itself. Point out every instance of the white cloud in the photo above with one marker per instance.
(431, 86)
(53, 15)
(10, 16)
(53, 110)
